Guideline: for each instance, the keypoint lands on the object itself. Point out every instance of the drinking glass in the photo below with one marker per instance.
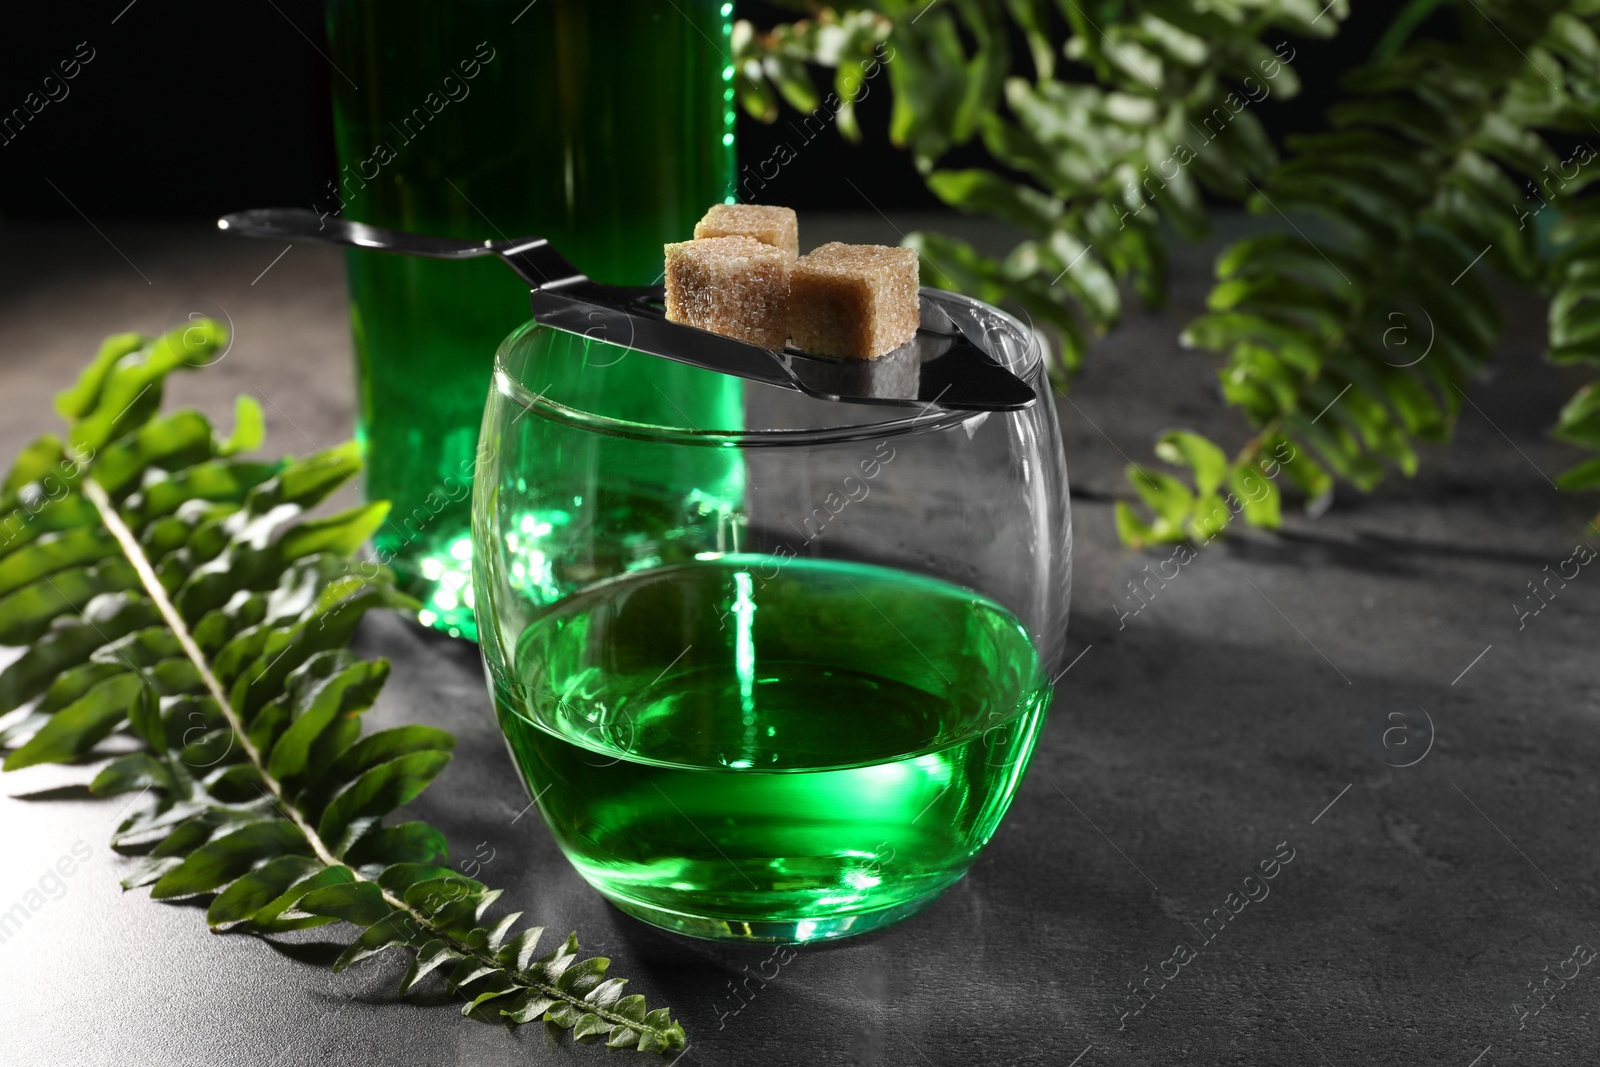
(792, 714)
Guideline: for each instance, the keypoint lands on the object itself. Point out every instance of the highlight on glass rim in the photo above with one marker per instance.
(556, 515)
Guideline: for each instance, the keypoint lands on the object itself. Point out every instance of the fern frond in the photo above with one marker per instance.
(1086, 170)
(159, 585)
(1351, 349)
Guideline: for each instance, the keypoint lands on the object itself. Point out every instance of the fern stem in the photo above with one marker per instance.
(169, 612)
(158, 595)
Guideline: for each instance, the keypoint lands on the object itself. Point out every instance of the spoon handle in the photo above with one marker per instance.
(298, 224)
(533, 258)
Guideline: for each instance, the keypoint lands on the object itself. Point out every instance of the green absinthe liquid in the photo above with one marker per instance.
(605, 127)
(788, 750)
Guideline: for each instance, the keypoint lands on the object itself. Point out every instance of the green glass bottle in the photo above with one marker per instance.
(606, 127)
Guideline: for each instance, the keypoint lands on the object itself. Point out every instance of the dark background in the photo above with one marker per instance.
(190, 109)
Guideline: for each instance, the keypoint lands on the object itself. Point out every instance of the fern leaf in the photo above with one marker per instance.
(1087, 172)
(159, 586)
(1349, 352)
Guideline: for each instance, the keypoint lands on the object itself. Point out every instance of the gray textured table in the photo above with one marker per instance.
(1243, 708)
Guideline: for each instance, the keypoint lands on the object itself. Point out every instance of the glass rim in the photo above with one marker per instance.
(1030, 368)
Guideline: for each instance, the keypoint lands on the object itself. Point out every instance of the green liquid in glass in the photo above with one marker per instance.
(607, 128)
(746, 747)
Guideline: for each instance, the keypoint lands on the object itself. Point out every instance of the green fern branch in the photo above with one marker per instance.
(158, 586)
(1428, 158)
(1351, 350)
(1142, 108)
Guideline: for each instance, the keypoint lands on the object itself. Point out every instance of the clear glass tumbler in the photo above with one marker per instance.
(793, 714)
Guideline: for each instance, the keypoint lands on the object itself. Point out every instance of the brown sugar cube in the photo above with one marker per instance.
(735, 286)
(776, 226)
(854, 301)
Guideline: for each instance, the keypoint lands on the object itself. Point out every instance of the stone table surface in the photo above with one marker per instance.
(1239, 716)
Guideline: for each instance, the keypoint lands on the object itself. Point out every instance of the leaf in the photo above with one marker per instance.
(376, 793)
(528, 1006)
(1259, 496)
(517, 954)
(498, 932)
(409, 842)
(144, 716)
(564, 1014)
(1410, 16)
(1181, 448)
(632, 1009)
(342, 534)
(374, 749)
(981, 191)
(226, 858)
(70, 644)
(495, 987)
(606, 993)
(1579, 421)
(314, 705)
(76, 729)
(1165, 495)
(1131, 529)
(249, 427)
(398, 878)
(664, 1034)
(392, 929)
(283, 911)
(37, 561)
(26, 613)
(254, 891)
(453, 904)
(467, 971)
(430, 957)
(361, 903)
(551, 965)
(81, 399)
(1585, 475)
(132, 772)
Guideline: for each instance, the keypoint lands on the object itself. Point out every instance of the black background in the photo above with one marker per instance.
(191, 108)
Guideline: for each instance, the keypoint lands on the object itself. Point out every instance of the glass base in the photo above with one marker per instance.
(781, 931)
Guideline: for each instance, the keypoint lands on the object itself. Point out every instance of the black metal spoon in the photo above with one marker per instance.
(939, 367)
